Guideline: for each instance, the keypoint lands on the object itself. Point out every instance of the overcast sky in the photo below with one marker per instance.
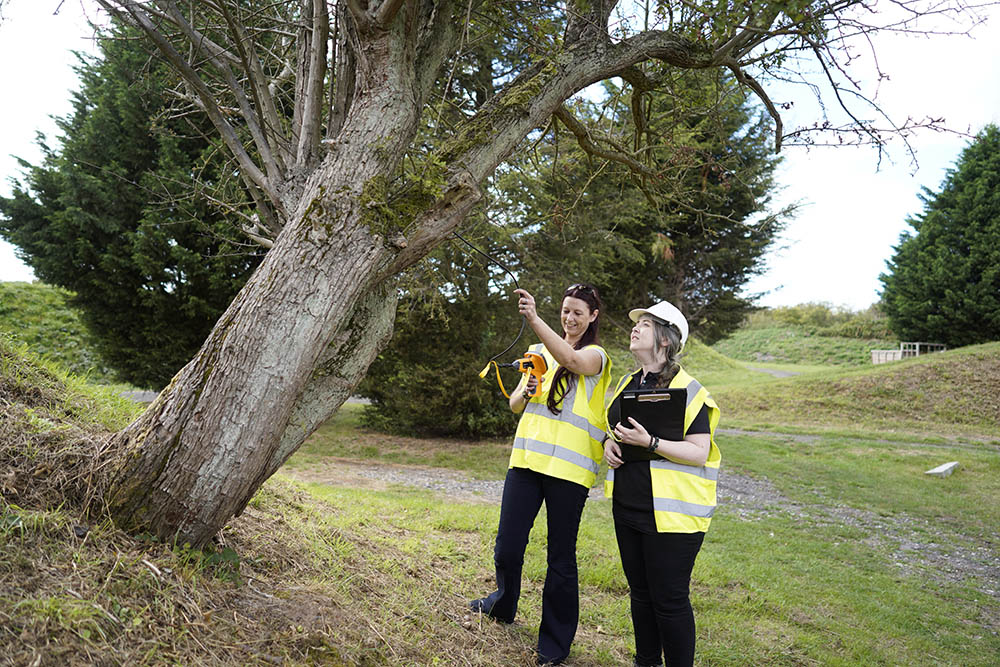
(853, 208)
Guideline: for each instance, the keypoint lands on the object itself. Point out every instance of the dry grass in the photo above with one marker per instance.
(53, 433)
(300, 592)
(282, 584)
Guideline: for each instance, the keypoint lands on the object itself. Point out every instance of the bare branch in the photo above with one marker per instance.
(274, 170)
(256, 178)
(387, 11)
(753, 85)
(315, 75)
(344, 76)
(586, 143)
(259, 87)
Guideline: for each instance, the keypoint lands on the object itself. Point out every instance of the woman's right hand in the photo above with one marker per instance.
(612, 453)
(526, 304)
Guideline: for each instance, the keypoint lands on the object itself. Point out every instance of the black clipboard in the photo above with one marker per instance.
(660, 411)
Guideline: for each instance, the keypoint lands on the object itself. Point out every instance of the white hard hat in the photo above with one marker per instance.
(666, 312)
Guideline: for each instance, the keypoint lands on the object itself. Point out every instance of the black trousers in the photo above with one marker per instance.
(658, 569)
(523, 493)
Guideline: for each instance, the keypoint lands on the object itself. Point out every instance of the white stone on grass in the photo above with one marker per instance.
(943, 470)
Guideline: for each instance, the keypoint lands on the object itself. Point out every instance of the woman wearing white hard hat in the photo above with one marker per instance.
(663, 491)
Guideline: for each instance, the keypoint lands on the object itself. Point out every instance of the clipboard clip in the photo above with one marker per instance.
(653, 398)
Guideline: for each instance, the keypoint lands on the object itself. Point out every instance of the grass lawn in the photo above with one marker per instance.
(850, 567)
(848, 555)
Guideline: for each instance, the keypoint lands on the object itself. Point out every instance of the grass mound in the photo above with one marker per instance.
(800, 345)
(293, 580)
(282, 586)
(53, 427)
(705, 363)
(39, 316)
(946, 393)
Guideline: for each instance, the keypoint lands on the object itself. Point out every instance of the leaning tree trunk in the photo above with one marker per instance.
(236, 411)
(286, 353)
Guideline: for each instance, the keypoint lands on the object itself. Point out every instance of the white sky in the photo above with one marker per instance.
(853, 210)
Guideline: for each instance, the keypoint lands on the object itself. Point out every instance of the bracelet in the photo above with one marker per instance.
(654, 442)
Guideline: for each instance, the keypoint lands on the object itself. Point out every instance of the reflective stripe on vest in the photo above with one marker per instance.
(558, 452)
(565, 445)
(703, 471)
(681, 507)
(684, 496)
(542, 411)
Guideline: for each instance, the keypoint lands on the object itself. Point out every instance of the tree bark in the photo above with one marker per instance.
(288, 350)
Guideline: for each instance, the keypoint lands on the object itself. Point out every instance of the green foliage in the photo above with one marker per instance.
(943, 283)
(426, 381)
(694, 232)
(111, 217)
(40, 316)
(569, 218)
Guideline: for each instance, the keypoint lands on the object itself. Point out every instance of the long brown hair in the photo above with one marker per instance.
(663, 331)
(560, 381)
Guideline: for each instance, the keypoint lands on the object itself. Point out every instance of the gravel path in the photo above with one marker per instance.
(915, 545)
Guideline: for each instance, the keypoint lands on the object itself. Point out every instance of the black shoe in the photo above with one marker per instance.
(483, 606)
(542, 660)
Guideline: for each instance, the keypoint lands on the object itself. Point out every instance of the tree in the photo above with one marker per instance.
(109, 216)
(574, 216)
(692, 227)
(322, 105)
(943, 283)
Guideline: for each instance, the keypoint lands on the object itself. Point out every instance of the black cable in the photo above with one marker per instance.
(524, 320)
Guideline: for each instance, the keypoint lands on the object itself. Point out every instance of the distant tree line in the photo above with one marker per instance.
(824, 319)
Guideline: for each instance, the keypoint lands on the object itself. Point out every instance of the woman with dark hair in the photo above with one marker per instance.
(555, 458)
(663, 491)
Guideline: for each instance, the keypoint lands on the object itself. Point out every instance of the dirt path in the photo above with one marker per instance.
(775, 372)
(915, 545)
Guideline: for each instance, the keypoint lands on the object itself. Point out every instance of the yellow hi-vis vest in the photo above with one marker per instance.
(683, 495)
(567, 445)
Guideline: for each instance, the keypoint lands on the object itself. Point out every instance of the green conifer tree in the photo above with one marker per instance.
(943, 283)
(110, 216)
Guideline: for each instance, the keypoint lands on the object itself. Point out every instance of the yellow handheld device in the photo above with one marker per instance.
(531, 363)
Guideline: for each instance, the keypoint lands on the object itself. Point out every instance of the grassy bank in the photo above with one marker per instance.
(39, 316)
(851, 555)
(799, 345)
(945, 394)
(324, 575)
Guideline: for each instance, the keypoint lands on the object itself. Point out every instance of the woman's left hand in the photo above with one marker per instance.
(636, 435)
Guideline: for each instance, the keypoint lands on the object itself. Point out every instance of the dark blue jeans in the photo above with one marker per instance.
(658, 569)
(523, 493)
